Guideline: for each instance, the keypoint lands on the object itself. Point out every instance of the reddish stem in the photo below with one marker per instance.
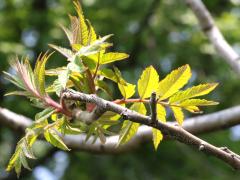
(125, 101)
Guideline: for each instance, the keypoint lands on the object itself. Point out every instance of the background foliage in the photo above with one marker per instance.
(169, 38)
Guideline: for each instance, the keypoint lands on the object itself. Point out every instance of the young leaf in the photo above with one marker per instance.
(178, 114)
(161, 113)
(148, 82)
(157, 137)
(173, 82)
(197, 102)
(63, 78)
(65, 52)
(127, 91)
(52, 137)
(82, 31)
(130, 128)
(46, 113)
(104, 87)
(194, 91)
(39, 72)
(113, 56)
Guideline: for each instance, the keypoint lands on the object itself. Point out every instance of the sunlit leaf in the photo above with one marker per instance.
(64, 51)
(148, 82)
(173, 82)
(161, 113)
(127, 91)
(194, 91)
(178, 114)
(113, 56)
(157, 137)
(197, 102)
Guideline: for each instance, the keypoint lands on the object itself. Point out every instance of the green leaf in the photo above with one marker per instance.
(52, 137)
(68, 34)
(27, 150)
(63, 78)
(173, 82)
(112, 57)
(104, 87)
(197, 102)
(157, 137)
(193, 109)
(82, 32)
(130, 128)
(148, 82)
(127, 91)
(178, 114)
(23, 161)
(194, 91)
(161, 113)
(76, 65)
(64, 51)
(92, 34)
(43, 115)
(18, 166)
(39, 72)
(14, 158)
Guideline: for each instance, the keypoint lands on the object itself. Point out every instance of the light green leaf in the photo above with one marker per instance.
(148, 82)
(52, 137)
(43, 115)
(173, 82)
(193, 109)
(64, 51)
(104, 87)
(63, 78)
(161, 113)
(157, 137)
(178, 114)
(27, 150)
(197, 102)
(127, 91)
(113, 56)
(24, 161)
(194, 91)
(130, 128)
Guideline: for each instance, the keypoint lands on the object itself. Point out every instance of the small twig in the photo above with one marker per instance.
(153, 107)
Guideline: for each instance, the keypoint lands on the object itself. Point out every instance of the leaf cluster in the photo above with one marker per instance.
(86, 71)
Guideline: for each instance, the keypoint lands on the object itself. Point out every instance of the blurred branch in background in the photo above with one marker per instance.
(196, 125)
(214, 35)
(78, 142)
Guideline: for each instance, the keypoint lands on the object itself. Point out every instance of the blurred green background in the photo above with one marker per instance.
(162, 33)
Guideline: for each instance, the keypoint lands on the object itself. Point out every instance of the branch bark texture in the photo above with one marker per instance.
(169, 130)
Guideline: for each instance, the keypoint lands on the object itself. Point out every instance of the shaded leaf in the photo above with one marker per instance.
(52, 137)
